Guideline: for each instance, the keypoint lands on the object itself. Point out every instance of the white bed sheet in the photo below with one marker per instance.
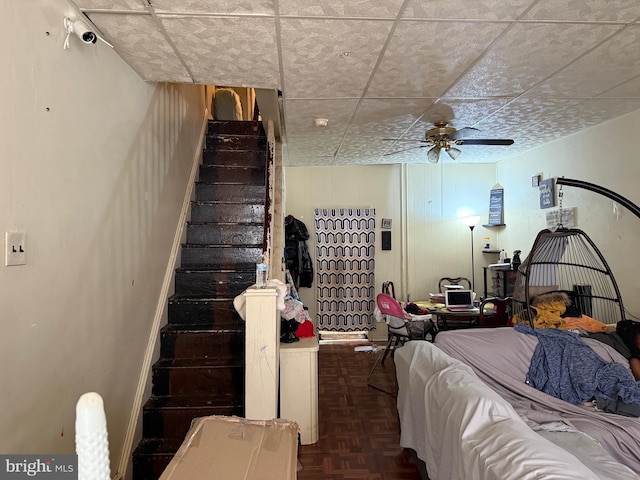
(463, 430)
(501, 357)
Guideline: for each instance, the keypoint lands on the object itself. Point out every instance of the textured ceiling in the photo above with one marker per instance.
(530, 70)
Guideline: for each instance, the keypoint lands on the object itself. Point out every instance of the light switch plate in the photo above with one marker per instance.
(15, 250)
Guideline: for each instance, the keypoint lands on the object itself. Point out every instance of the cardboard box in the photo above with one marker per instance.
(233, 448)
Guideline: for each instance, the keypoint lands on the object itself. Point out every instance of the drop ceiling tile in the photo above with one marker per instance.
(423, 59)
(139, 42)
(132, 5)
(466, 9)
(483, 154)
(300, 115)
(308, 161)
(218, 54)
(317, 145)
(585, 10)
(362, 151)
(598, 110)
(362, 146)
(459, 113)
(387, 118)
(340, 8)
(305, 159)
(261, 7)
(531, 121)
(527, 54)
(610, 64)
(629, 89)
(362, 160)
(314, 59)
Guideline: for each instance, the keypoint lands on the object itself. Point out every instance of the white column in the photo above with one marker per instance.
(262, 353)
(299, 386)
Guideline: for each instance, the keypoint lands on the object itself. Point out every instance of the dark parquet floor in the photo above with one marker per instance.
(359, 434)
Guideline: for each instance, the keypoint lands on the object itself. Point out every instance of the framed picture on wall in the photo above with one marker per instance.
(386, 223)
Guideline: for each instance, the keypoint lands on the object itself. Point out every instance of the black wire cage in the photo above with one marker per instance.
(566, 260)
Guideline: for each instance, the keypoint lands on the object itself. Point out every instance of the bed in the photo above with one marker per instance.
(467, 413)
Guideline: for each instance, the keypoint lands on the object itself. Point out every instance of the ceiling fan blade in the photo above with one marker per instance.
(404, 150)
(463, 132)
(484, 141)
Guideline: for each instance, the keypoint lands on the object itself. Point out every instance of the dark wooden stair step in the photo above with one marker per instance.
(207, 312)
(208, 377)
(211, 283)
(220, 256)
(152, 455)
(170, 417)
(226, 212)
(230, 192)
(226, 158)
(194, 341)
(229, 233)
(232, 174)
(221, 142)
(234, 127)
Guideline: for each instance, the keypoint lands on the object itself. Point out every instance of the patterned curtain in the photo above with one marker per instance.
(345, 259)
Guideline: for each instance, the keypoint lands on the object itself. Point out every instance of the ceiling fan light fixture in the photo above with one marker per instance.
(454, 152)
(433, 155)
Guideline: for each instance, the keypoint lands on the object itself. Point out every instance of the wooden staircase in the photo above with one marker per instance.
(202, 354)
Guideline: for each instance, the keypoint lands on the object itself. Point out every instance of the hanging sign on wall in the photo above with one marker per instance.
(547, 193)
(496, 206)
(562, 216)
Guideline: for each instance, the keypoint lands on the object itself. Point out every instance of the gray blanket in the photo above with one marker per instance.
(501, 358)
(564, 366)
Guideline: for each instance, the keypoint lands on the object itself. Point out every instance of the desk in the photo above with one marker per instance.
(446, 320)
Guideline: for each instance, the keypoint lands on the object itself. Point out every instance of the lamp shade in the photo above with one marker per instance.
(471, 221)
(433, 154)
(453, 152)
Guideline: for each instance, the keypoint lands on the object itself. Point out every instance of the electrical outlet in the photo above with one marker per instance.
(15, 250)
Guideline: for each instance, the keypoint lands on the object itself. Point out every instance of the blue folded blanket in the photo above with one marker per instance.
(564, 366)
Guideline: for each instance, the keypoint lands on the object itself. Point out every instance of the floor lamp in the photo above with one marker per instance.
(471, 222)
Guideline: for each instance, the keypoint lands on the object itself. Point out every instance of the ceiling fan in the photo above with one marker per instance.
(447, 138)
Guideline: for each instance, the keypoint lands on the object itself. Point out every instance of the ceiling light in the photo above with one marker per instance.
(434, 154)
(320, 122)
(453, 152)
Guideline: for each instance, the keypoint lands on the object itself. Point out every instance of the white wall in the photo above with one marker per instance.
(425, 204)
(308, 188)
(94, 167)
(438, 197)
(606, 155)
